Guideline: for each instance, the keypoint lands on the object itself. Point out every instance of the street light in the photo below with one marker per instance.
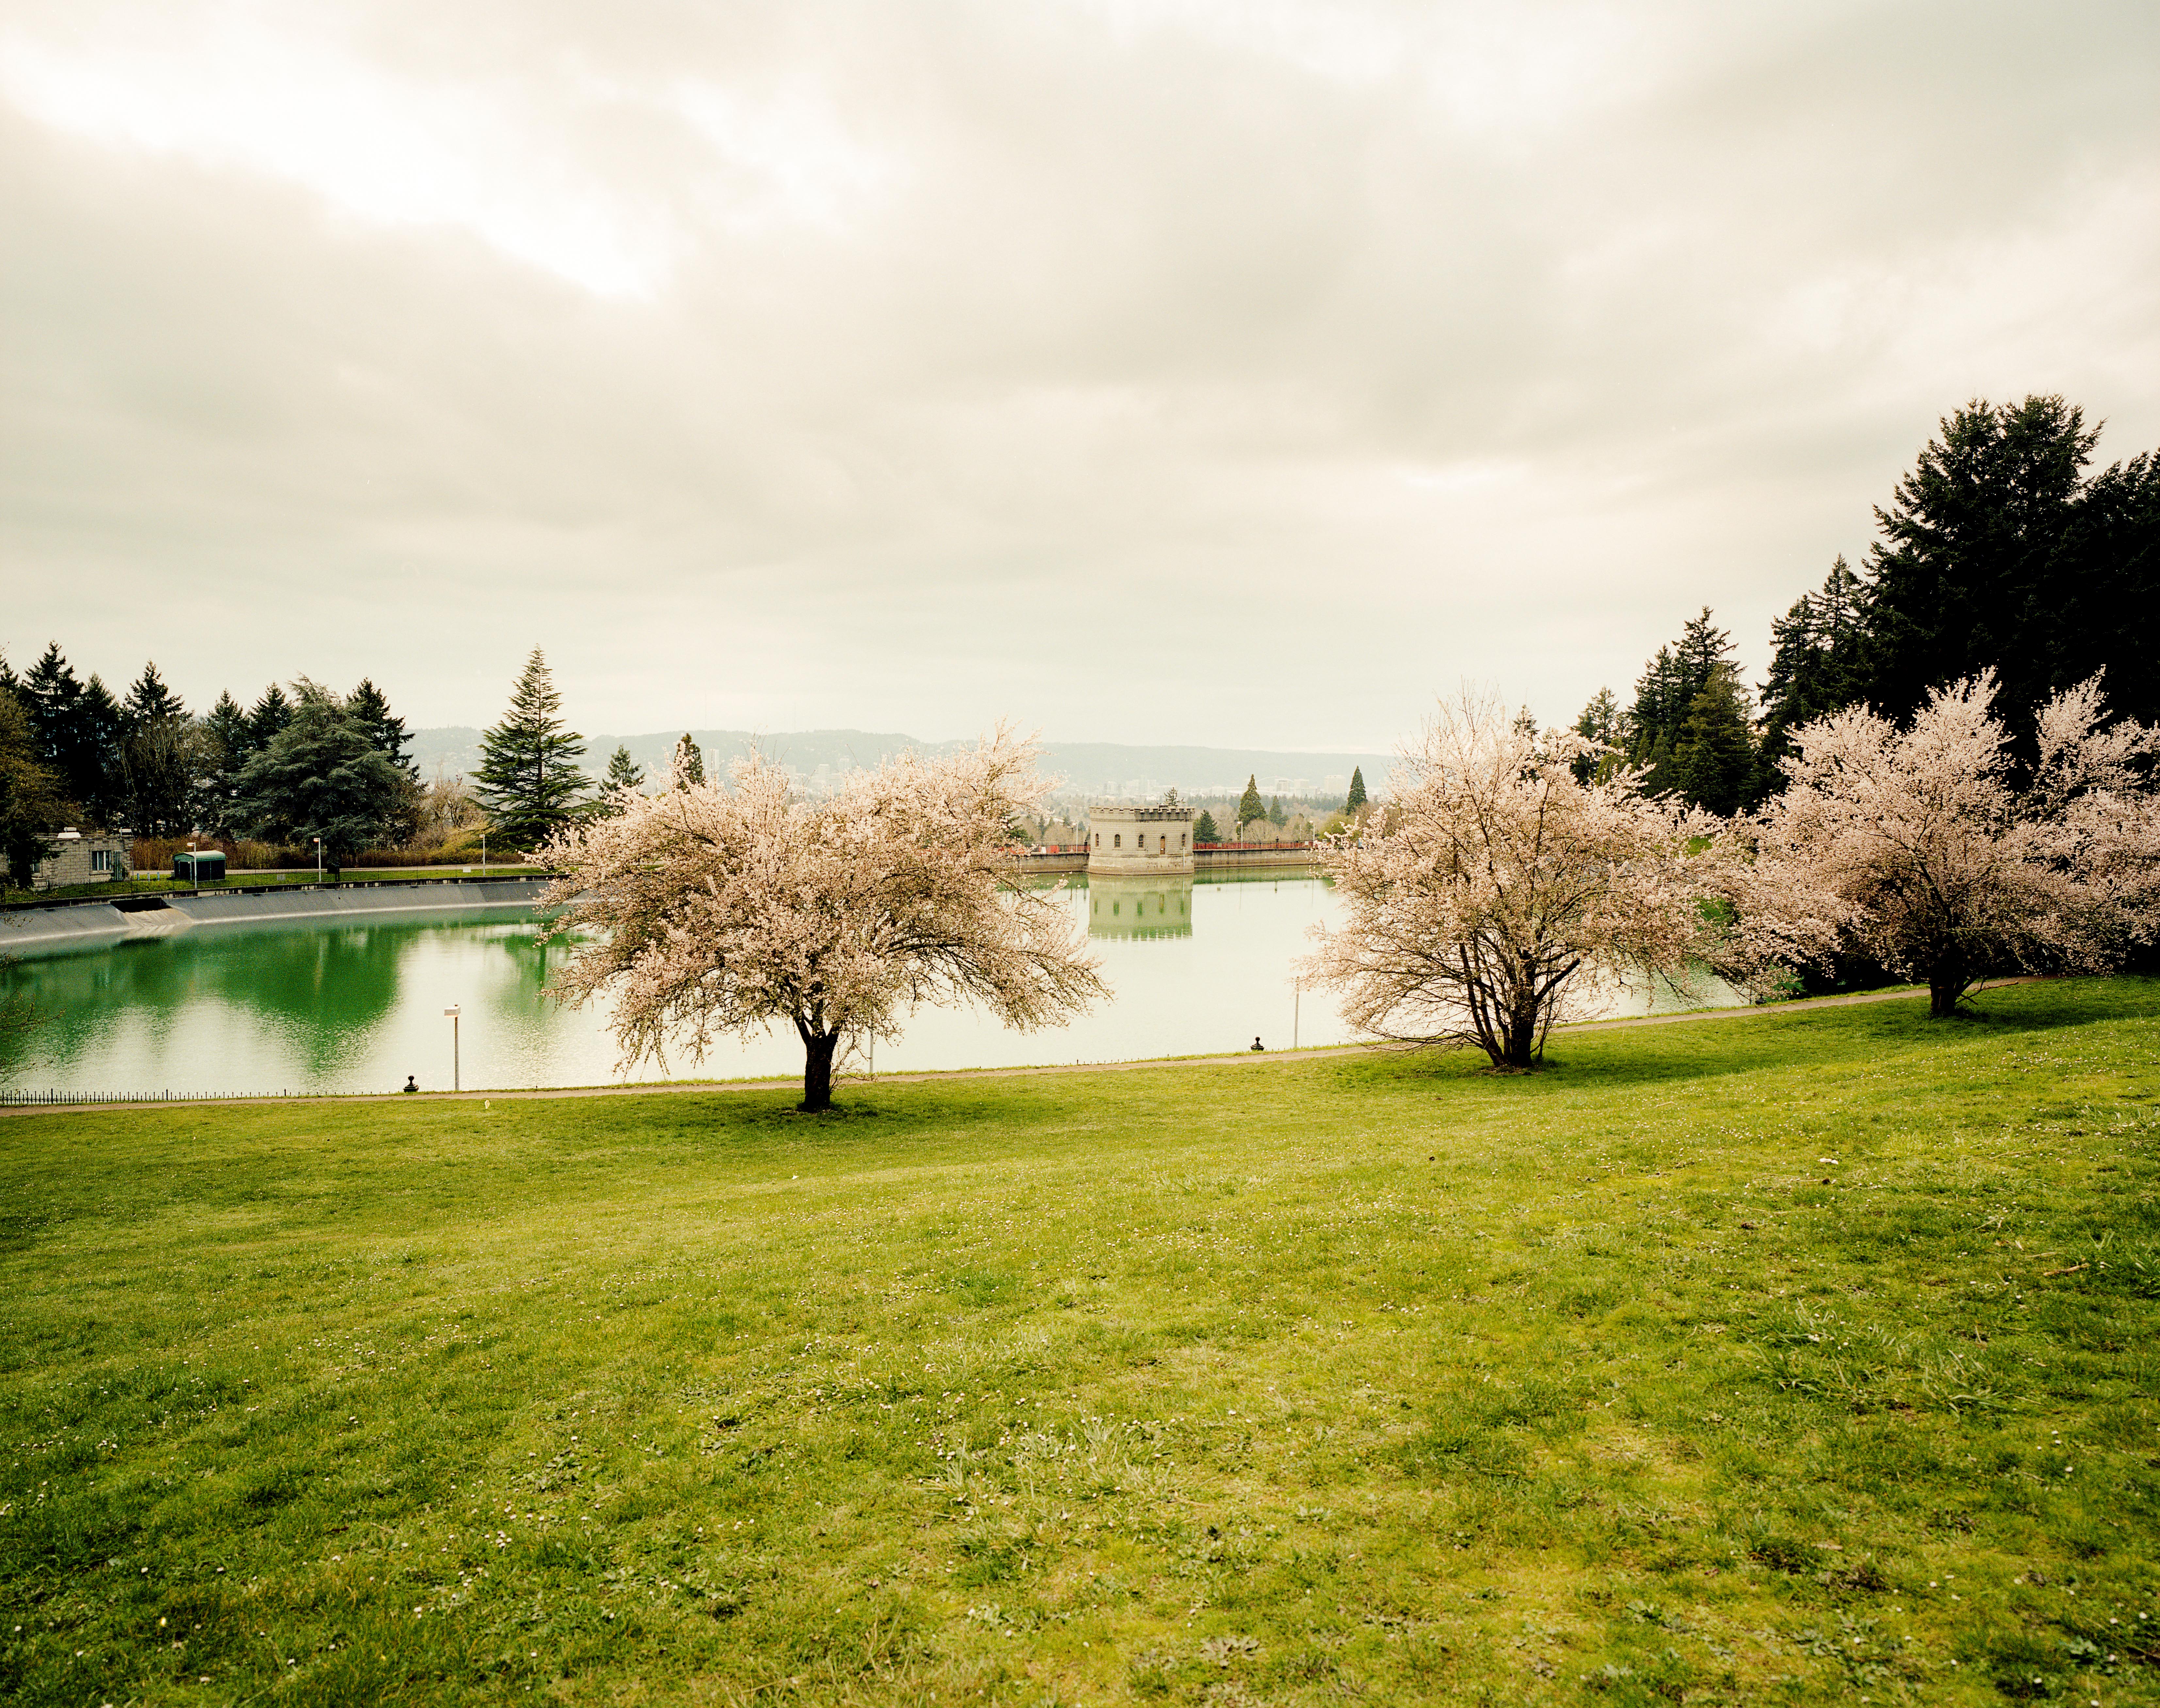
(451, 1013)
(318, 859)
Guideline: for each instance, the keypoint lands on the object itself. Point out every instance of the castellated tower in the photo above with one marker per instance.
(1139, 841)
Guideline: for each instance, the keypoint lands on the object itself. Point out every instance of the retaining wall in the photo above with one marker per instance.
(100, 924)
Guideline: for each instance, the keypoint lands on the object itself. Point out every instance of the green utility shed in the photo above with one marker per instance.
(206, 867)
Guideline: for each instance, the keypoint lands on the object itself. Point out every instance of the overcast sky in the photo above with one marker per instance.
(1230, 372)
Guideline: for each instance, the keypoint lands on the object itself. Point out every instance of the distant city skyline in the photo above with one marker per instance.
(1236, 372)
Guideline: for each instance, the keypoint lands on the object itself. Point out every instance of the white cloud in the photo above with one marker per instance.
(1231, 372)
(287, 95)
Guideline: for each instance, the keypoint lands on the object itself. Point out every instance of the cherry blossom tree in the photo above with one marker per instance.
(1924, 847)
(1493, 878)
(708, 909)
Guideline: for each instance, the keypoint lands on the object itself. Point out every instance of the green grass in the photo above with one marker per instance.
(1372, 1378)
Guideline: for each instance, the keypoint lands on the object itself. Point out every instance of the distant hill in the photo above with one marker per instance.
(1096, 770)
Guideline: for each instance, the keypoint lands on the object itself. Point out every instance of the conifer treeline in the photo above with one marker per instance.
(1998, 552)
(295, 765)
(305, 764)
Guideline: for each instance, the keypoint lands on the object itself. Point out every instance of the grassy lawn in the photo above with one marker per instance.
(1805, 1358)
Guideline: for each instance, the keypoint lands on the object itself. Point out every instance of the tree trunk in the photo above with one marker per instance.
(818, 1049)
(1519, 1034)
(1946, 984)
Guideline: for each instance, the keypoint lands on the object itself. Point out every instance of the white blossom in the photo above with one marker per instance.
(1491, 879)
(709, 909)
(1930, 849)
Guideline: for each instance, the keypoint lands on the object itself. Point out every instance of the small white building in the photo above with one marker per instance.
(99, 857)
(1139, 841)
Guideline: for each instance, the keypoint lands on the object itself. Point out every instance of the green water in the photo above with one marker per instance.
(1194, 969)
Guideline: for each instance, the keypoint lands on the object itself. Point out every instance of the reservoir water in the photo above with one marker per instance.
(1194, 967)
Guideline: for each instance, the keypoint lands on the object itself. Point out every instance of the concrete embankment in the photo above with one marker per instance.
(101, 924)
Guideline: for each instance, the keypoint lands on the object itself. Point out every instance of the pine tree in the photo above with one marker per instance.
(1356, 798)
(51, 695)
(1714, 758)
(687, 766)
(1601, 722)
(101, 786)
(322, 776)
(529, 780)
(1250, 806)
(1665, 696)
(161, 755)
(227, 747)
(368, 704)
(1817, 667)
(1996, 551)
(150, 699)
(622, 773)
(270, 714)
(1204, 829)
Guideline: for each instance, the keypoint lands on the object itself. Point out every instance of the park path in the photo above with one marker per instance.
(1244, 1057)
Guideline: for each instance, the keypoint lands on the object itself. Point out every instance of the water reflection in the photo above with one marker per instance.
(1139, 908)
(262, 1008)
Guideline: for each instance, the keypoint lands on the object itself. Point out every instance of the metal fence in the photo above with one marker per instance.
(33, 1099)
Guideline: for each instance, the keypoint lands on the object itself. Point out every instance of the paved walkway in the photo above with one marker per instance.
(1243, 1058)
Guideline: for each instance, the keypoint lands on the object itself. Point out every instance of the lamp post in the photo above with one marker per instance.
(451, 1013)
(318, 859)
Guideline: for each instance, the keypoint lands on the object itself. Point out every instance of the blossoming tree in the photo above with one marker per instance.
(1924, 848)
(1493, 878)
(709, 909)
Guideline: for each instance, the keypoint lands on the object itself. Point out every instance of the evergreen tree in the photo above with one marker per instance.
(687, 766)
(1817, 656)
(1996, 551)
(368, 704)
(1665, 696)
(1601, 721)
(1204, 829)
(529, 780)
(101, 786)
(323, 775)
(1714, 756)
(53, 696)
(226, 747)
(270, 714)
(32, 805)
(622, 773)
(161, 756)
(1355, 797)
(1276, 816)
(1250, 807)
(149, 699)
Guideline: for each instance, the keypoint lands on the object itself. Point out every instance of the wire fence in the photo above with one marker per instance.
(29, 1099)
